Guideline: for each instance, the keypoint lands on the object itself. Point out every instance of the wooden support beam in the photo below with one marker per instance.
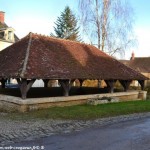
(3, 81)
(25, 85)
(66, 86)
(23, 88)
(125, 84)
(8, 81)
(18, 80)
(99, 83)
(45, 82)
(110, 85)
(141, 82)
(81, 82)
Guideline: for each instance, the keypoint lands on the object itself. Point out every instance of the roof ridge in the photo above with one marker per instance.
(26, 56)
(57, 38)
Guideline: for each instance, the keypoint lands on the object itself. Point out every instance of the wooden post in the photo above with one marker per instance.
(23, 88)
(125, 84)
(66, 85)
(45, 82)
(81, 82)
(99, 83)
(3, 83)
(141, 82)
(25, 85)
(110, 85)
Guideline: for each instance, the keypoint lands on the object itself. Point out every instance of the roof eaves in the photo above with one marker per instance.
(26, 56)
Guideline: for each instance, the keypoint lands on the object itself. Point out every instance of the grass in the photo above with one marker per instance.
(84, 112)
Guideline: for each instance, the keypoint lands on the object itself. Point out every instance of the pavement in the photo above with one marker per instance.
(122, 132)
(129, 135)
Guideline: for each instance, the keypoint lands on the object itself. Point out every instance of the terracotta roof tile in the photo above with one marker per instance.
(37, 56)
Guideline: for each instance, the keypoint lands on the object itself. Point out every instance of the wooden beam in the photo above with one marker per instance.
(25, 85)
(3, 81)
(23, 88)
(141, 82)
(18, 80)
(81, 82)
(110, 85)
(30, 83)
(125, 84)
(99, 83)
(45, 82)
(66, 86)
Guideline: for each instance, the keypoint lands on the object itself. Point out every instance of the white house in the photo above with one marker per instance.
(7, 36)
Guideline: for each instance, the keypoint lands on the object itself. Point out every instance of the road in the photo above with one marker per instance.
(130, 135)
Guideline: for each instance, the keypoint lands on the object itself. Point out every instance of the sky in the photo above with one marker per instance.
(38, 16)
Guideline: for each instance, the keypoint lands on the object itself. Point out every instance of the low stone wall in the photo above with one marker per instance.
(11, 103)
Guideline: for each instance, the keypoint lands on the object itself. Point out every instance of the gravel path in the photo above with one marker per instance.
(12, 131)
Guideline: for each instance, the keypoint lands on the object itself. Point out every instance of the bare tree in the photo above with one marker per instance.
(109, 23)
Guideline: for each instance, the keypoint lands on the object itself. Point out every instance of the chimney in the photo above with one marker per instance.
(132, 56)
(2, 16)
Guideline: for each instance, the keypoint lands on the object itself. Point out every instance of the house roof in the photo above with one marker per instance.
(140, 64)
(4, 26)
(41, 57)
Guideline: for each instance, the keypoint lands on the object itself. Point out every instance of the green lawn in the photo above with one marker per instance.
(85, 111)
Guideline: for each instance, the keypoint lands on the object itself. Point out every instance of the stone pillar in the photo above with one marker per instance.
(142, 95)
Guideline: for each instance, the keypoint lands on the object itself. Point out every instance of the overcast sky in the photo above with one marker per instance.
(39, 16)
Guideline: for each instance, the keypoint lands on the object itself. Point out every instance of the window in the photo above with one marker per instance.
(9, 35)
(2, 35)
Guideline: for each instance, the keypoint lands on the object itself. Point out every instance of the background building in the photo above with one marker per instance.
(140, 64)
(7, 36)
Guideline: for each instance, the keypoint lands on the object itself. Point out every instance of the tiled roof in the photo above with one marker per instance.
(141, 64)
(3, 25)
(41, 57)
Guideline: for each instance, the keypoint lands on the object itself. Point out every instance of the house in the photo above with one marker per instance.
(7, 35)
(140, 64)
(46, 58)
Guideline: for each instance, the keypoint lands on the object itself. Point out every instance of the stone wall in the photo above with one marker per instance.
(11, 103)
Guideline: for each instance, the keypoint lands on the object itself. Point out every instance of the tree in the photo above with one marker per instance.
(66, 26)
(109, 22)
